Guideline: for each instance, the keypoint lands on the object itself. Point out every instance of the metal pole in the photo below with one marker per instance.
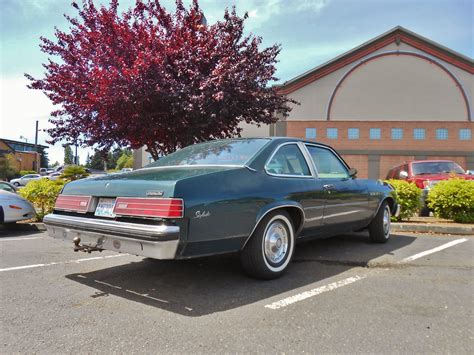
(36, 147)
(75, 157)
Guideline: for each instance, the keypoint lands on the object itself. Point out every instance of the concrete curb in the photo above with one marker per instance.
(432, 228)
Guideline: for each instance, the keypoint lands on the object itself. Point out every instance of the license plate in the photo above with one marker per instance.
(105, 208)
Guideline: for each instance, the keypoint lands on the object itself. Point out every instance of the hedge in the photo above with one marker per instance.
(453, 199)
(408, 196)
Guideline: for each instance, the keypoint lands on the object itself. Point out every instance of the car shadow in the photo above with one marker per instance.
(198, 287)
(17, 230)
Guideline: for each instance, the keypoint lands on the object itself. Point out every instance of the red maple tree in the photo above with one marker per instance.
(149, 77)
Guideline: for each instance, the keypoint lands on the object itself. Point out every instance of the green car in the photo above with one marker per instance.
(256, 196)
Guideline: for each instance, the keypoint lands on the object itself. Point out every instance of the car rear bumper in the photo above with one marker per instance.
(153, 241)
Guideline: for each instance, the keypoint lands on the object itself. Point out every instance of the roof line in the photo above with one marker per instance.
(459, 56)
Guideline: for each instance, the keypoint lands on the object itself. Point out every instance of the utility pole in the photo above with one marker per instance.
(75, 157)
(36, 147)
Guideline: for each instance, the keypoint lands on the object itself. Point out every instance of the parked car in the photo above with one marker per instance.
(126, 170)
(427, 173)
(14, 208)
(6, 186)
(25, 179)
(43, 171)
(54, 176)
(254, 196)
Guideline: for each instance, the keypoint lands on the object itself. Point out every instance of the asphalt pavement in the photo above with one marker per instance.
(340, 295)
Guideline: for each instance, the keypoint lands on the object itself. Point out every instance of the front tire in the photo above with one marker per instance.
(270, 248)
(17, 184)
(379, 228)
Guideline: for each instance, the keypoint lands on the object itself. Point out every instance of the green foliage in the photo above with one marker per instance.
(408, 196)
(453, 199)
(68, 156)
(42, 194)
(44, 162)
(7, 170)
(125, 160)
(26, 172)
(96, 161)
(74, 172)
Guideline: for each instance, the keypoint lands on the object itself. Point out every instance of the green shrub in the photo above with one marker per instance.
(408, 196)
(74, 172)
(42, 194)
(453, 199)
(26, 172)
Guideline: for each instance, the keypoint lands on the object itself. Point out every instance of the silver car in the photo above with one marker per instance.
(25, 179)
(14, 208)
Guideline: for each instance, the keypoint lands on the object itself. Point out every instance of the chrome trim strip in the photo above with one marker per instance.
(287, 175)
(272, 209)
(111, 227)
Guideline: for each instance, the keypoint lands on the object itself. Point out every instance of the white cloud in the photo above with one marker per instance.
(20, 108)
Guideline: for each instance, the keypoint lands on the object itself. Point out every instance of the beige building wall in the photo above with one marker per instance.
(424, 81)
(252, 130)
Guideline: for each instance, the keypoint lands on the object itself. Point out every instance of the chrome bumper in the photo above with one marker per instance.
(397, 211)
(153, 241)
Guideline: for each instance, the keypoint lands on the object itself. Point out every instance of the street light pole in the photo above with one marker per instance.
(36, 147)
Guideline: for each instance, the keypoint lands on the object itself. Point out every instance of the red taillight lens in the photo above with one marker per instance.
(15, 207)
(419, 183)
(149, 207)
(73, 203)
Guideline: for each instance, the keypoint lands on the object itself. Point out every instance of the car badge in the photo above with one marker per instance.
(107, 185)
(155, 193)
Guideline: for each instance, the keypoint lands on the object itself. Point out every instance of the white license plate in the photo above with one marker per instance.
(105, 208)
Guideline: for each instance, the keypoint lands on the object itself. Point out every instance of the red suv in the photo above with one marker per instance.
(427, 173)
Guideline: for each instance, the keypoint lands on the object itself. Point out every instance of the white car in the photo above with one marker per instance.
(54, 176)
(25, 179)
(14, 208)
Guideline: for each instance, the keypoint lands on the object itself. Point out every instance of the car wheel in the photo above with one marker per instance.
(270, 248)
(379, 228)
(16, 184)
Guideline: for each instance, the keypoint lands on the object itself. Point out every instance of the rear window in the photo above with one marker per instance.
(223, 152)
(436, 167)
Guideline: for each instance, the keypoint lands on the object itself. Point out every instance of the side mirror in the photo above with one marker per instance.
(352, 172)
(403, 174)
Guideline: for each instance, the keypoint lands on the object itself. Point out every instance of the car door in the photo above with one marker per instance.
(346, 199)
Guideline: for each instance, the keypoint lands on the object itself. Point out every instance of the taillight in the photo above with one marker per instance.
(426, 183)
(15, 207)
(419, 183)
(73, 203)
(149, 207)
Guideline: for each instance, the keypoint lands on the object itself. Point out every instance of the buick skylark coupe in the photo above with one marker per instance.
(254, 196)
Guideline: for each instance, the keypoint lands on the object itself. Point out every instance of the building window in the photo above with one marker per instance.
(353, 133)
(465, 134)
(375, 133)
(442, 133)
(419, 133)
(310, 133)
(331, 133)
(397, 133)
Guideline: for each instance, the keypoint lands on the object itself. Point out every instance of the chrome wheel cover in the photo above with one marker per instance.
(276, 242)
(386, 221)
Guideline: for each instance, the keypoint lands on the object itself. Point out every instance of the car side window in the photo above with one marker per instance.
(327, 163)
(288, 160)
(6, 187)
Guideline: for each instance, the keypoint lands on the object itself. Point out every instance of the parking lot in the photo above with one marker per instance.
(413, 294)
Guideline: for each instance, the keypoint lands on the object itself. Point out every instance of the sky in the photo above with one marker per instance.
(310, 32)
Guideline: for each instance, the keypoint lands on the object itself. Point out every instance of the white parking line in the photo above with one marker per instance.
(77, 261)
(332, 286)
(434, 250)
(314, 292)
(18, 239)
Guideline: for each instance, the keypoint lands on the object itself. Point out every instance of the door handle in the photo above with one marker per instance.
(328, 187)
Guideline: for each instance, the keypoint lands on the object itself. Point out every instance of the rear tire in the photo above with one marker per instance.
(270, 248)
(17, 184)
(379, 228)
(424, 212)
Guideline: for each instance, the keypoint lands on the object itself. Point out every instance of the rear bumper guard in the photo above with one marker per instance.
(154, 241)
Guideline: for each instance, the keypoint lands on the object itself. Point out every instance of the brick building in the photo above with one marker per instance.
(396, 97)
(24, 155)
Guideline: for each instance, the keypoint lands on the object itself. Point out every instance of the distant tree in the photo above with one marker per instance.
(154, 78)
(68, 156)
(55, 164)
(97, 161)
(88, 160)
(125, 160)
(44, 162)
(7, 170)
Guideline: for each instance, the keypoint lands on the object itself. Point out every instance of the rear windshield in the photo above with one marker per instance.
(223, 152)
(436, 167)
